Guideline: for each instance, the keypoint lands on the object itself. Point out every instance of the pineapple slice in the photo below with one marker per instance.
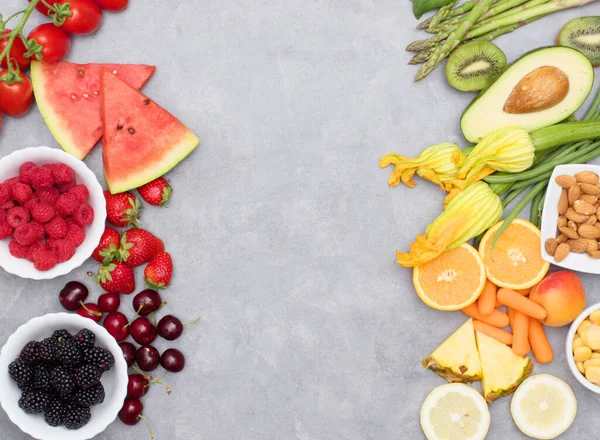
(503, 371)
(457, 359)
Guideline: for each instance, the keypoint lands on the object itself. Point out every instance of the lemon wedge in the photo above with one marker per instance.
(455, 412)
(543, 407)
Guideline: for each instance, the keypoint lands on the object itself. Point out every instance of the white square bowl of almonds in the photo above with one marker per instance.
(571, 218)
(583, 348)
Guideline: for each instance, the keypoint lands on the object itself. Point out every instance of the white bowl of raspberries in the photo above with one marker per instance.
(52, 213)
(62, 377)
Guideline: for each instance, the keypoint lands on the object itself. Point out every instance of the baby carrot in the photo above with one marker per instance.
(520, 330)
(487, 300)
(493, 332)
(524, 292)
(539, 342)
(511, 316)
(496, 318)
(498, 303)
(522, 304)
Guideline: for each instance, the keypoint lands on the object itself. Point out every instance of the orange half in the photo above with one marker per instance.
(515, 262)
(451, 281)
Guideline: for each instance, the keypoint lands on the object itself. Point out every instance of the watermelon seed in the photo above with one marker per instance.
(114, 72)
(73, 96)
(96, 92)
(146, 101)
(119, 126)
(131, 130)
(85, 95)
(81, 73)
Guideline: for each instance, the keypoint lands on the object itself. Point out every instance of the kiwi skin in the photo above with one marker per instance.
(474, 65)
(581, 27)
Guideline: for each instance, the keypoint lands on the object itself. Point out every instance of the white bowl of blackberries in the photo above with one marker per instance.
(62, 377)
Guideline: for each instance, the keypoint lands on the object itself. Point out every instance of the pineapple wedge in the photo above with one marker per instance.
(503, 371)
(457, 359)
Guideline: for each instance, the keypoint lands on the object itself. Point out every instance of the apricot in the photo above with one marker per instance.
(562, 295)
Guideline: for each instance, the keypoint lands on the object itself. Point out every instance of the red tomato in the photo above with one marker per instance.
(17, 51)
(55, 41)
(112, 5)
(86, 17)
(41, 7)
(15, 99)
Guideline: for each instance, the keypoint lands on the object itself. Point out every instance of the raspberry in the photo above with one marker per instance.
(17, 216)
(64, 249)
(25, 172)
(2, 215)
(84, 215)
(76, 234)
(57, 227)
(5, 230)
(10, 182)
(5, 193)
(81, 192)
(64, 188)
(21, 192)
(8, 205)
(42, 212)
(66, 204)
(32, 250)
(41, 178)
(28, 205)
(44, 259)
(62, 173)
(39, 230)
(17, 250)
(47, 195)
(26, 234)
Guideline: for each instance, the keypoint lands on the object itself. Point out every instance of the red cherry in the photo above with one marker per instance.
(147, 358)
(131, 411)
(116, 324)
(109, 302)
(91, 311)
(172, 360)
(146, 302)
(128, 350)
(72, 295)
(137, 386)
(143, 331)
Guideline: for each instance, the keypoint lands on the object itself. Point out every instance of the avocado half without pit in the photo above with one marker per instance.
(540, 89)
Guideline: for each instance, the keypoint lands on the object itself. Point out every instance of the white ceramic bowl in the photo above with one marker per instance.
(575, 262)
(9, 167)
(569, 349)
(114, 380)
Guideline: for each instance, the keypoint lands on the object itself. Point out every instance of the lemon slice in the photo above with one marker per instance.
(455, 412)
(544, 406)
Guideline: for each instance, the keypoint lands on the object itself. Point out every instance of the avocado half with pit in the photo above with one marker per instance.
(540, 89)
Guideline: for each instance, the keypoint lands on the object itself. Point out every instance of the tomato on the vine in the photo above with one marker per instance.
(16, 98)
(112, 5)
(42, 7)
(86, 17)
(56, 43)
(17, 51)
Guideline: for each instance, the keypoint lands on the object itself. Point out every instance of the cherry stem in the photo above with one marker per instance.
(164, 303)
(191, 322)
(148, 425)
(159, 382)
(88, 310)
(137, 313)
(137, 370)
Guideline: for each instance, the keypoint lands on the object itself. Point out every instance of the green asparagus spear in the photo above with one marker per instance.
(419, 45)
(442, 13)
(501, 31)
(512, 11)
(421, 57)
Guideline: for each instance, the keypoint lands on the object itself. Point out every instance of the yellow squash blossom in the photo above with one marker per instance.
(438, 164)
(471, 212)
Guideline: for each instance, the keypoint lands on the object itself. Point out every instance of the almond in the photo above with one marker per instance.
(562, 252)
(562, 221)
(588, 188)
(584, 207)
(587, 231)
(565, 181)
(591, 221)
(551, 246)
(593, 254)
(571, 214)
(590, 244)
(561, 238)
(577, 246)
(563, 202)
(573, 193)
(587, 177)
(589, 198)
(570, 233)
(572, 225)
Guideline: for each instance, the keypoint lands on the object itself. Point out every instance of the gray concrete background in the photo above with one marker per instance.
(281, 227)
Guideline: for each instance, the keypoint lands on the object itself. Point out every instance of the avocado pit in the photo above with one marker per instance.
(541, 89)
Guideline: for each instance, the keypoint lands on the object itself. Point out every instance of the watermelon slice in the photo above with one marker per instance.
(68, 96)
(142, 141)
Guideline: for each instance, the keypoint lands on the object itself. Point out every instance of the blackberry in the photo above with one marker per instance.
(87, 376)
(54, 413)
(85, 339)
(62, 380)
(49, 350)
(21, 373)
(59, 335)
(76, 416)
(89, 397)
(99, 357)
(34, 402)
(30, 354)
(69, 353)
(41, 380)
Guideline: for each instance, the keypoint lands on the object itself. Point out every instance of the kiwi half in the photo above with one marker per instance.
(473, 66)
(582, 34)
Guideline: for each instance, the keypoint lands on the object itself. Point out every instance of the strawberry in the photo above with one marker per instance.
(139, 246)
(106, 251)
(122, 209)
(157, 192)
(159, 271)
(116, 278)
